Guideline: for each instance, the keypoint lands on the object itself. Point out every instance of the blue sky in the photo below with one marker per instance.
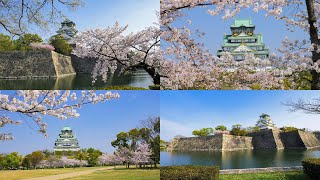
(103, 13)
(184, 111)
(96, 127)
(273, 31)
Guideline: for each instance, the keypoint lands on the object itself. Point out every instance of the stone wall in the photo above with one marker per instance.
(266, 139)
(34, 64)
(292, 140)
(317, 134)
(230, 142)
(83, 65)
(309, 139)
(211, 143)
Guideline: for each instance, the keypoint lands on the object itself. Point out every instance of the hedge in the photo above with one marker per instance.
(311, 167)
(189, 173)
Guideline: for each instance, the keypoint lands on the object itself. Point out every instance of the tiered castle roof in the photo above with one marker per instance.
(66, 141)
(67, 30)
(265, 122)
(243, 40)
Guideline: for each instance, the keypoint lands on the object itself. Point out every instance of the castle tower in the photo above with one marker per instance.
(265, 122)
(66, 141)
(243, 40)
(67, 30)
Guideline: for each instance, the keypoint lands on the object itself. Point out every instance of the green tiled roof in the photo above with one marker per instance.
(242, 22)
(66, 128)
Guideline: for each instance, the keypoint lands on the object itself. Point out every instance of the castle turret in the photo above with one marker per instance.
(67, 30)
(66, 141)
(265, 122)
(243, 41)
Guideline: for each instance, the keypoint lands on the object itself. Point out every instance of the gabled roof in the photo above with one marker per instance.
(242, 48)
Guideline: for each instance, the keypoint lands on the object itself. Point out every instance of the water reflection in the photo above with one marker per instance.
(137, 78)
(240, 159)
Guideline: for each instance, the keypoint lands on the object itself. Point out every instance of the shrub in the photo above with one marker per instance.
(189, 173)
(311, 167)
(154, 87)
(122, 88)
(6, 43)
(24, 42)
(289, 129)
(61, 45)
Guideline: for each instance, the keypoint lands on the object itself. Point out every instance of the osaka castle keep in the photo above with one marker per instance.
(67, 30)
(66, 141)
(265, 122)
(243, 40)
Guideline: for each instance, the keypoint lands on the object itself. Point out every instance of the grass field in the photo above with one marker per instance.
(123, 174)
(117, 173)
(294, 175)
(23, 174)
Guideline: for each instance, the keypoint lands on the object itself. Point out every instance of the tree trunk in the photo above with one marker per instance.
(152, 72)
(313, 32)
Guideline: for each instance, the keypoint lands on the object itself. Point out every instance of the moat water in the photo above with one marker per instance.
(239, 159)
(138, 78)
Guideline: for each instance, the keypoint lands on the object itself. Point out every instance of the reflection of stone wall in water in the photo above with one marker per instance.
(34, 64)
(211, 143)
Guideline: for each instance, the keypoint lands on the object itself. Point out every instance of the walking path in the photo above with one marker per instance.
(261, 170)
(70, 175)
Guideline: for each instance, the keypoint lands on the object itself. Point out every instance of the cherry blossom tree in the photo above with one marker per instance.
(142, 154)
(124, 155)
(19, 16)
(33, 106)
(110, 159)
(187, 64)
(115, 49)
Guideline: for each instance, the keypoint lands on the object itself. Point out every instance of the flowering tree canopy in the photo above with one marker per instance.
(35, 105)
(142, 154)
(114, 49)
(187, 64)
(18, 15)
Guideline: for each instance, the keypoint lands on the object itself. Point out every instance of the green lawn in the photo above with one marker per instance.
(293, 175)
(24, 174)
(123, 174)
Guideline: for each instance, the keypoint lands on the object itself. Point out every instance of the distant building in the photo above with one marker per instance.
(67, 30)
(66, 141)
(243, 41)
(265, 122)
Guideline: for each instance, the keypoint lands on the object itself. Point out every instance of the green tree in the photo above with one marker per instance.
(134, 135)
(81, 155)
(121, 141)
(238, 131)
(289, 129)
(6, 43)
(61, 45)
(35, 158)
(93, 156)
(11, 161)
(221, 128)
(24, 42)
(203, 132)
(26, 162)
